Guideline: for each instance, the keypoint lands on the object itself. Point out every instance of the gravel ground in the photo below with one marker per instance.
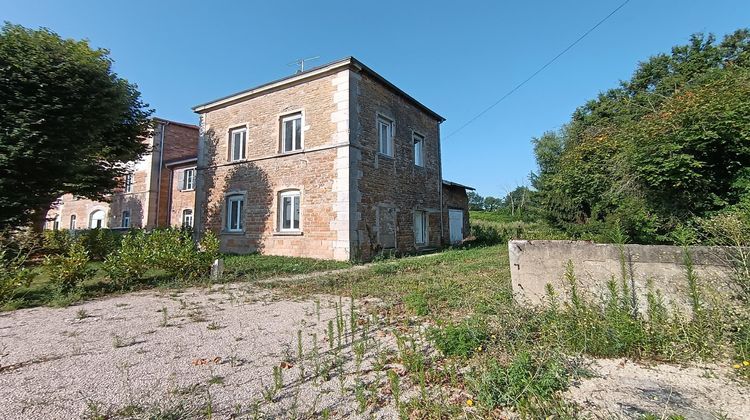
(218, 348)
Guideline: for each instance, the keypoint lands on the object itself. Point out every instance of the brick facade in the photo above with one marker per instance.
(353, 201)
(148, 203)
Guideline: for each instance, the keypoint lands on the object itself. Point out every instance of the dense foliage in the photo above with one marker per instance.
(665, 149)
(68, 124)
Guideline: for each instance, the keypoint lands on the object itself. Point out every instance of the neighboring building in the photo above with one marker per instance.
(334, 162)
(159, 191)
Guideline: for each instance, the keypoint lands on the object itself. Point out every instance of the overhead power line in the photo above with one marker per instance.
(547, 64)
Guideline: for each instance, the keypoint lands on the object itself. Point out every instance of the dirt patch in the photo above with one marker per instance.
(624, 389)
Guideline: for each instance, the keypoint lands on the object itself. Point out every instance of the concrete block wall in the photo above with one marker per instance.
(534, 264)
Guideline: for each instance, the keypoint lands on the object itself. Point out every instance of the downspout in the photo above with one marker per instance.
(164, 125)
(440, 188)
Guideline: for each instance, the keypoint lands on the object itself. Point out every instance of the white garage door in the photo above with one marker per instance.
(456, 225)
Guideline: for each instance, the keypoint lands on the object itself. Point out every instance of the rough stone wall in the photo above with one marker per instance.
(534, 264)
(319, 171)
(455, 198)
(392, 182)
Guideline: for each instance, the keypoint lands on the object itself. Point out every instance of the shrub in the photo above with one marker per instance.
(57, 241)
(459, 339)
(528, 379)
(130, 261)
(15, 250)
(69, 270)
(99, 242)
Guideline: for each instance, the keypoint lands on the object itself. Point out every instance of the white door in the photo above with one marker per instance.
(456, 225)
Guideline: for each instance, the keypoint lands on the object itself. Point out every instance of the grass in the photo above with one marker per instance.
(238, 268)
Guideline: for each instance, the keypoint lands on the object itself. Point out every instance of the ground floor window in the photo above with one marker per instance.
(187, 218)
(72, 222)
(420, 227)
(126, 219)
(56, 223)
(289, 201)
(96, 219)
(234, 215)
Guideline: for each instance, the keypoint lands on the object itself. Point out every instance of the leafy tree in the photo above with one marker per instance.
(492, 203)
(667, 146)
(68, 124)
(476, 201)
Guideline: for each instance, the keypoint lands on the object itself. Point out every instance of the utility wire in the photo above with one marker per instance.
(547, 64)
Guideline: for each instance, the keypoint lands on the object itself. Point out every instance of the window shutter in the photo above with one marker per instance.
(181, 179)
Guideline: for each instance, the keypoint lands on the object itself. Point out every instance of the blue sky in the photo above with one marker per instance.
(455, 57)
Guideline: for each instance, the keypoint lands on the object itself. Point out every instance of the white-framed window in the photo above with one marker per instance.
(291, 133)
(418, 149)
(56, 223)
(187, 218)
(385, 136)
(237, 144)
(129, 183)
(188, 179)
(235, 213)
(289, 211)
(125, 219)
(72, 222)
(96, 219)
(420, 227)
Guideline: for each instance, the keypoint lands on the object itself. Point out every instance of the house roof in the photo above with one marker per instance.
(164, 120)
(179, 162)
(348, 62)
(457, 185)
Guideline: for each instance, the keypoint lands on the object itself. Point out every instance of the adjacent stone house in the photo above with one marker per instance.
(334, 162)
(158, 192)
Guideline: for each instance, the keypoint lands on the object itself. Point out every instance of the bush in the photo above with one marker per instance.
(69, 270)
(15, 250)
(57, 241)
(459, 339)
(417, 303)
(172, 251)
(528, 379)
(99, 243)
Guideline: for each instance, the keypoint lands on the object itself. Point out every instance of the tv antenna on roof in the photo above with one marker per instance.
(301, 63)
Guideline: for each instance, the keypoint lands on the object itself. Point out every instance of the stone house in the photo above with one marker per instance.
(158, 192)
(334, 162)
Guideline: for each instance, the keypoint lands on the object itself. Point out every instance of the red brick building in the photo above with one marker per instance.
(158, 192)
(334, 162)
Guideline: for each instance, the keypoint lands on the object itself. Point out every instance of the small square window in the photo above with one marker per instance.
(418, 149)
(385, 136)
(289, 212)
(235, 213)
(291, 133)
(237, 144)
(188, 179)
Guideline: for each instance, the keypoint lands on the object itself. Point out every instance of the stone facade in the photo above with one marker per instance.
(354, 202)
(147, 204)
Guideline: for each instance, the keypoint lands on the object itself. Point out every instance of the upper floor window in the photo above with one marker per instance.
(187, 218)
(289, 202)
(188, 179)
(237, 144)
(129, 183)
(385, 136)
(126, 219)
(418, 149)
(235, 213)
(291, 133)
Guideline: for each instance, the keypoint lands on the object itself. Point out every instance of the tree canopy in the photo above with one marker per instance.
(68, 123)
(670, 145)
